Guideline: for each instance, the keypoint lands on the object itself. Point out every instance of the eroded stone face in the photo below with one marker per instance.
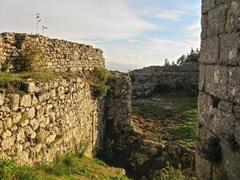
(55, 55)
(1, 99)
(33, 128)
(219, 98)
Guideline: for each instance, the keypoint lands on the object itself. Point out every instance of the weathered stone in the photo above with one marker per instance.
(26, 101)
(34, 124)
(205, 106)
(58, 55)
(216, 81)
(229, 50)
(219, 101)
(29, 132)
(216, 21)
(1, 99)
(50, 139)
(203, 168)
(34, 101)
(226, 106)
(31, 113)
(7, 134)
(202, 77)
(21, 136)
(210, 50)
(207, 5)
(8, 143)
(30, 87)
(163, 78)
(230, 163)
(42, 136)
(17, 117)
(14, 99)
(204, 27)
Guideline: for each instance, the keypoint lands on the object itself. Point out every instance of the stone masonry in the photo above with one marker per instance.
(57, 55)
(219, 85)
(41, 120)
(157, 79)
(50, 119)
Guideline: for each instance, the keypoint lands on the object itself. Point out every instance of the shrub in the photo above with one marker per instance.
(99, 82)
(8, 170)
(28, 60)
(212, 150)
(171, 173)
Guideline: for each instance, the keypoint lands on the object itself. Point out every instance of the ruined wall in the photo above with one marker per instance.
(119, 102)
(219, 138)
(50, 119)
(1, 51)
(164, 79)
(124, 147)
(56, 55)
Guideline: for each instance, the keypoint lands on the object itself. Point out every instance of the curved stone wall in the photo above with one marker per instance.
(50, 119)
(57, 55)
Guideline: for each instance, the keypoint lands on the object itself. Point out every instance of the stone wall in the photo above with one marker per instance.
(164, 79)
(119, 102)
(56, 55)
(219, 87)
(124, 147)
(50, 118)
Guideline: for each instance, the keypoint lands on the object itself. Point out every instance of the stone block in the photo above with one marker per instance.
(1, 99)
(8, 143)
(223, 124)
(231, 162)
(234, 84)
(26, 101)
(204, 21)
(207, 5)
(14, 100)
(233, 13)
(202, 77)
(226, 106)
(217, 20)
(31, 113)
(230, 49)
(203, 168)
(217, 81)
(205, 108)
(210, 50)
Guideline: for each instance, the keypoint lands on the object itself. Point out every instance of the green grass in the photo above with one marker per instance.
(69, 167)
(186, 132)
(11, 80)
(164, 105)
(179, 110)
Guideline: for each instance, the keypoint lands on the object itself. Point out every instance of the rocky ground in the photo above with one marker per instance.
(161, 140)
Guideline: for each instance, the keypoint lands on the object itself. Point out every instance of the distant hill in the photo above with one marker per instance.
(121, 66)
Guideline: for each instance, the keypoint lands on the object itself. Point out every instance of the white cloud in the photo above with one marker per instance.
(194, 30)
(150, 52)
(104, 22)
(75, 19)
(170, 14)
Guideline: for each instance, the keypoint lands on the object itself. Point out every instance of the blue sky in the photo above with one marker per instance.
(132, 33)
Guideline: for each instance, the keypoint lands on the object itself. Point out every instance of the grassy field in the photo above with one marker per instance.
(7, 79)
(69, 167)
(173, 115)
